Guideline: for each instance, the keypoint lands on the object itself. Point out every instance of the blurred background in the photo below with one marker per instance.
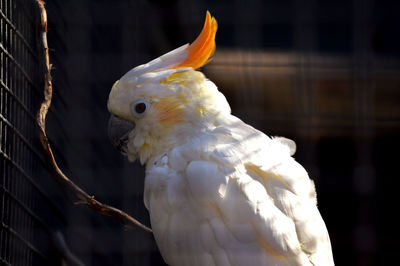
(325, 73)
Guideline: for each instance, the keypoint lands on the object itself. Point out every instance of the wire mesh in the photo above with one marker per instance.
(325, 73)
(28, 215)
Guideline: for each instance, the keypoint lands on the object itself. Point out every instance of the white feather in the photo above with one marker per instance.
(219, 192)
(168, 60)
(236, 197)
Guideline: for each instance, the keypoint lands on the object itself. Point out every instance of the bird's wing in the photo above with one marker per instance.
(237, 197)
(293, 194)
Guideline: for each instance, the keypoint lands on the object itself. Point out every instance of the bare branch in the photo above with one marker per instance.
(81, 195)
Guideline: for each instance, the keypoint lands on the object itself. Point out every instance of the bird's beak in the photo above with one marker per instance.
(118, 132)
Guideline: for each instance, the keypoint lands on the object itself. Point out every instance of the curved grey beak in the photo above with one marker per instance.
(118, 132)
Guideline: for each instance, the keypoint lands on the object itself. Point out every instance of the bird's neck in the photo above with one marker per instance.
(161, 141)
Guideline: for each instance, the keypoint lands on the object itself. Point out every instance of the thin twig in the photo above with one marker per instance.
(83, 197)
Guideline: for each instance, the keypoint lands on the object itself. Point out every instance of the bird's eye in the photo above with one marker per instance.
(139, 107)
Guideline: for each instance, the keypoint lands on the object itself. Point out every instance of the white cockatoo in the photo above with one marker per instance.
(219, 192)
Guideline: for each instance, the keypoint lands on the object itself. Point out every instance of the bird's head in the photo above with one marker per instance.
(158, 105)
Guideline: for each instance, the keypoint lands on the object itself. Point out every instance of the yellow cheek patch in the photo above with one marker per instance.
(169, 112)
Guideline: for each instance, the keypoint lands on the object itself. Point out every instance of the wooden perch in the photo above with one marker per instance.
(82, 196)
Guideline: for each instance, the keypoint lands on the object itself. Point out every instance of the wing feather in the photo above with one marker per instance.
(236, 197)
(243, 217)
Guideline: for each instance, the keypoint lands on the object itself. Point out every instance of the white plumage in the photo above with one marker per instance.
(214, 201)
(219, 192)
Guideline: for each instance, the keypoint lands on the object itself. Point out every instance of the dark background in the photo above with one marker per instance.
(323, 73)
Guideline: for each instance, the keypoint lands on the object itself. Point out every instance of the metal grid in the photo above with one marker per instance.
(27, 215)
(329, 102)
(301, 69)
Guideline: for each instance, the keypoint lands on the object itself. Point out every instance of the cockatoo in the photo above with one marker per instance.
(219, 192)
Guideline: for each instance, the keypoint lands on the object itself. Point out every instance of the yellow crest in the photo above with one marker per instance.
(201, 50)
